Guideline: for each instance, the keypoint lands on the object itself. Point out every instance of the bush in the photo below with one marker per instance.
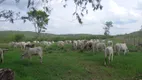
(19, 37)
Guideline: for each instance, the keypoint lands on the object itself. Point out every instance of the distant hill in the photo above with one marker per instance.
(137, 34)
(27, 34)
(32, 34)
(133, 34)
(5, 36)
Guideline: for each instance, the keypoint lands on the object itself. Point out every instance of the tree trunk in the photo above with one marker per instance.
(6, 74)
(38, 33)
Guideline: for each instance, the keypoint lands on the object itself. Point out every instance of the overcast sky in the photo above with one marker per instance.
(125, 14)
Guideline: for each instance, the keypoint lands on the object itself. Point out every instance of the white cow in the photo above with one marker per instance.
(121, 47)
(36, 42)
(81, 44)
(94, 45)
(110, 43)
(52, 42)
(103, 41)
(101, 46)
(108, 54)
(61, 44)
(46, 43)
(89, 44)
(33, 51)
(11, 44)
(1, 55)
(74, 45)
(18, 45)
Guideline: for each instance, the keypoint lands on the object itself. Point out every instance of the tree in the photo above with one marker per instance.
(19, 37)
(108, 24)
(9, 15)
(39, 19)
(80, 7)
(141, 28)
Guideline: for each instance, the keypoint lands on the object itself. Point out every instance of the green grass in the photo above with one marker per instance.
(73, 65)
(65, 64)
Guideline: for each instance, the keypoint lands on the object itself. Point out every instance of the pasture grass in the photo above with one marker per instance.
(66, 64)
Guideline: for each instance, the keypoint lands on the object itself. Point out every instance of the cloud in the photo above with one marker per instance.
(125, 15)
(124, 22)
(139, 5)
(116, 9)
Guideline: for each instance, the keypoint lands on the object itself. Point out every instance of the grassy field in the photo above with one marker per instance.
(73, 65)
(66, 64)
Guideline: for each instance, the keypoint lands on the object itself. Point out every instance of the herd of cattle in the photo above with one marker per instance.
(95, 45)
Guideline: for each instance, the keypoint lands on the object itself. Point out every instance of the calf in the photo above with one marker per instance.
(108, 54)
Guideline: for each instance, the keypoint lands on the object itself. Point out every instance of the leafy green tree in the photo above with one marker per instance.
(108, 24)
(39, 19)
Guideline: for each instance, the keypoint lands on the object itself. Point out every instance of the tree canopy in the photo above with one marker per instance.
(80, 8)
(39, 19)
(108, 24)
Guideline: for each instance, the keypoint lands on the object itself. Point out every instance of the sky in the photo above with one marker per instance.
(126, 16)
